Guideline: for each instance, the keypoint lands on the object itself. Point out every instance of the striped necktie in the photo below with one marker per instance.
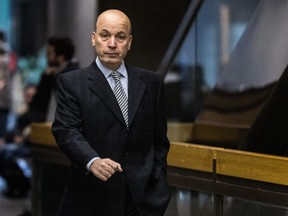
(120, 96)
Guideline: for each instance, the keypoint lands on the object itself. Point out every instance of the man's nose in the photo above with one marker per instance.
(112, 42)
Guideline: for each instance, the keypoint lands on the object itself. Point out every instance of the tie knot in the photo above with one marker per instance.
(116, 75)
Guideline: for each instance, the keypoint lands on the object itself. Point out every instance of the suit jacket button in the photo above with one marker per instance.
(123, 177)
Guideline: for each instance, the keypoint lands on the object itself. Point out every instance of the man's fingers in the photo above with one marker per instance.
(105, 173)
(101, 174)
(101, 177)
(115, 166)
(108, 169)
(105, 168)
(119, 168)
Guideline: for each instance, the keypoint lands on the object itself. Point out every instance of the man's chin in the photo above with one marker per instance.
(111, 63)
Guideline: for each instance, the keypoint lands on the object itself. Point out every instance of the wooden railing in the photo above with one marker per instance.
(218, 171)
(240, 164)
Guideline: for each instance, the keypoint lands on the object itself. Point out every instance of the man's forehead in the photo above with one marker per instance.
(112, 26)
(118, 27)
(113, 20)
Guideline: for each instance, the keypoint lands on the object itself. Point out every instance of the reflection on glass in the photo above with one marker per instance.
(189, 203)
(197, 66)
(240, 207)
(253, 69)
(186, 202)
(261, 55)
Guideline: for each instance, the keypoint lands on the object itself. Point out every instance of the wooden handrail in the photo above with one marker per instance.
(234, 163)
(253, 166)
(191, 156)
(41, 134)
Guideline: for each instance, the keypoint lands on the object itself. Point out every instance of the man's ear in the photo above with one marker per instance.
(93, 38)
(130, 42)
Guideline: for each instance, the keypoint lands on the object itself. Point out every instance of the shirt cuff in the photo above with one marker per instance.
(90, 162)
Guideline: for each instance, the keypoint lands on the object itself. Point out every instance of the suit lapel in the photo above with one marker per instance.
(100, 86)
(102, 89)
(136, 89)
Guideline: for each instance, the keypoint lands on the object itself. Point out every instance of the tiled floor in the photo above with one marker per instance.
(12, 207)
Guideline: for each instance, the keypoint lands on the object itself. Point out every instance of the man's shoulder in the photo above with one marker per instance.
(144, 72)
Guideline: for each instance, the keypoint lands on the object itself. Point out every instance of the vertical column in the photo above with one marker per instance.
(75, 19)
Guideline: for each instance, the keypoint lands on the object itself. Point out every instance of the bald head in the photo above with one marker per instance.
(114, 15)
(112, 38)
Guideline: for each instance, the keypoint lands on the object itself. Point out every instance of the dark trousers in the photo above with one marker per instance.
(130, 209)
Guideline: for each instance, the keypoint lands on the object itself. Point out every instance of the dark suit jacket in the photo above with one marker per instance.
(88, 123)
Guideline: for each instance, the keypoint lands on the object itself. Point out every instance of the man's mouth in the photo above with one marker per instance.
(112, 54)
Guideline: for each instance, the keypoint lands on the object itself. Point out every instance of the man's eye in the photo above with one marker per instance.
(104, 36)
(121, 37)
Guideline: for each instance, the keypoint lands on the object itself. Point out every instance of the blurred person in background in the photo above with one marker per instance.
(60, 59)
(39, 102)
(15, 155)
(22, 130)
(5, 94)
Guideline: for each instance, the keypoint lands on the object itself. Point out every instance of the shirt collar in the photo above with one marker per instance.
(106, 71)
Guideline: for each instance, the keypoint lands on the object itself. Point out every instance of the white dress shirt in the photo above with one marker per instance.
(107, 73)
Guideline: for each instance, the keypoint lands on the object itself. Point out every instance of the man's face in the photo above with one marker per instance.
(112, 38)
(51, 56)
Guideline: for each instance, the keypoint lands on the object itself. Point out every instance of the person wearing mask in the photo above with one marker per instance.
(110, 122)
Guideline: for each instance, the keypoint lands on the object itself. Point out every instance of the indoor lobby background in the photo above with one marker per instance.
(221, 61)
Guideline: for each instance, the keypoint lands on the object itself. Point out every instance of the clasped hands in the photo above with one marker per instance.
(105, 168)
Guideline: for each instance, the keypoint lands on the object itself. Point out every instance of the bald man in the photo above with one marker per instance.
(110, 123)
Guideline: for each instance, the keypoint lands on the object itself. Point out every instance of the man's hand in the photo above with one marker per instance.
(104, 168)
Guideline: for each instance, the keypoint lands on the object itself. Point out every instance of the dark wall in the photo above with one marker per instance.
(29, 27)
(154, 23)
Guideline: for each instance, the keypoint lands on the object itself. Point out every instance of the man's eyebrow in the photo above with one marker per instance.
(121, 32)
(104, 30)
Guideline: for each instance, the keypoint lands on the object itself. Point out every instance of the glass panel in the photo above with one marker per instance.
(260, 57)
(189, 203)
(253, 69)
(240, 207)
(186, 202)
(203, 54)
